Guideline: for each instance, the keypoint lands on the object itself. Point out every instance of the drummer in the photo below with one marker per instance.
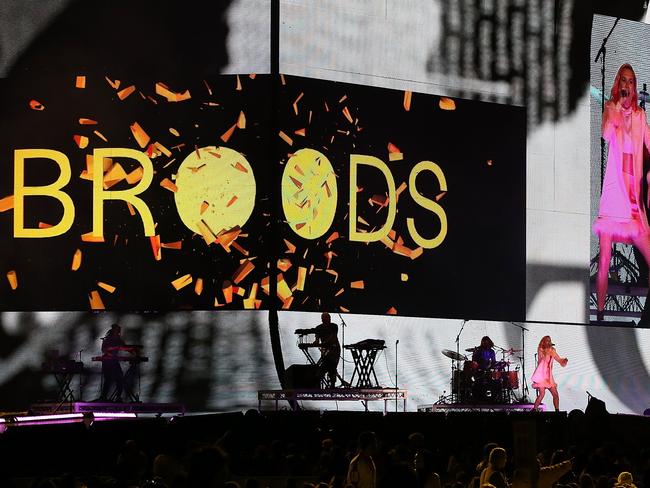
(484, 354)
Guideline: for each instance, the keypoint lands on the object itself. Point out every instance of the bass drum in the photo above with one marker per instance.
(511, 380)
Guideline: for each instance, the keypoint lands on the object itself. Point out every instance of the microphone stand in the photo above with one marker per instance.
(396, 343)
(524, 382)
(602, 53)
(453, 363)
(344, 325)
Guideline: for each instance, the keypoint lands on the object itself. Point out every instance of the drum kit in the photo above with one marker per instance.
(494, 384)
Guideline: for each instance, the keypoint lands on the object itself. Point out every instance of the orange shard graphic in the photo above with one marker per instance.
(440, 195)
(286, 305)
(302, 276)
(231, 201)
(76, 260)
(206, 232)
(208, 87)
(346, 112)
(198, 286)
(182, 282)
(300, 132)
(447, 104)
(171, 96)
(80, 82)
(100, 135)
(226, 288)
(172, 245)
(228, 134)
(106, 286)
(416, 253)
(285, 138)
(80, 141)
(407, 100)
(290, 247)
(204, 206)
(340, 292)
(284, 292)
(238, 87)
(284, 264)
(162, 149)
(114, 84)
(241, 120)
(140, 135)
(332, 237)
(44, 225)
(169, 185)
(295, 103)
(174, 132)
(240, 167)
(391, 311)
(357, 285)
(395, 156)
(114, 175)
(36, 105)
(122, 94)
(392, 148)
(89, 237)
(244, 269)
(13, 279)
(6, 203)
(134, 176)
(96, 301)
(84, 121)
(155, 247)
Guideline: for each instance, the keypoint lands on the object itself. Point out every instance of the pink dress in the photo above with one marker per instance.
(543, 375)
(622, 213)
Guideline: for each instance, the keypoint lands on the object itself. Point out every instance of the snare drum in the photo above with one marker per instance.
(470, 367)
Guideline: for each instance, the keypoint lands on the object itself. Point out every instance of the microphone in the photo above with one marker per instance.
(397, 342)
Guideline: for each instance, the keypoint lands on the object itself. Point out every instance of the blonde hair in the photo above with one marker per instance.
(615, 94)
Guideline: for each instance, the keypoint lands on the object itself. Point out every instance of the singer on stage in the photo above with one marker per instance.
(622, 212)
(543, 376)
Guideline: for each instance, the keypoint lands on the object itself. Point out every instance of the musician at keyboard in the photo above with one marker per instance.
(111, 370)
(330, 349)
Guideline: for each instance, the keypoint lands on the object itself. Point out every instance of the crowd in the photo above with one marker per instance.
(302, 449)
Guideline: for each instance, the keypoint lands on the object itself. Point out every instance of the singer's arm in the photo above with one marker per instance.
(612, 118)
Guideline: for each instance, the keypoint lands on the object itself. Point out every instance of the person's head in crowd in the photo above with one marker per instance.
(367, 443)
(487, 449)
(498, 458)
(625, 480)
(416, 441)
(586, 481)
(207, 468)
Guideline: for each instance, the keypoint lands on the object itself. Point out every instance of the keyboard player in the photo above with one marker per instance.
(111, 370)
(330, 349)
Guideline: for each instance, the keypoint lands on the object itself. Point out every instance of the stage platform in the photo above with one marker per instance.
(364, 395)
(477, 407)
(86, 407)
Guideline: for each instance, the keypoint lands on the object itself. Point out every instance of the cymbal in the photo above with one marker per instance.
(472, 349)
(512, 351)
(454, 355)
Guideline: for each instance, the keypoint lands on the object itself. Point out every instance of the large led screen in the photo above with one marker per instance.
(142, 195)
(620, 138)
